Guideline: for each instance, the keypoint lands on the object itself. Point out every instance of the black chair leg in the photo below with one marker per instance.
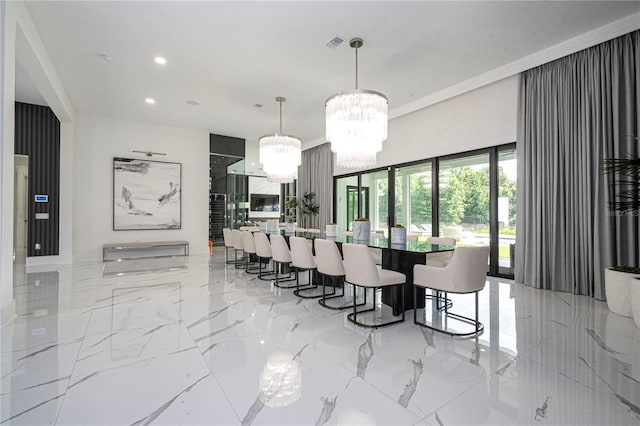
(478, 326)
(353, 316)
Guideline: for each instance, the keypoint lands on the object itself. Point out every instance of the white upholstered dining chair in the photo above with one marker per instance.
(465, 273)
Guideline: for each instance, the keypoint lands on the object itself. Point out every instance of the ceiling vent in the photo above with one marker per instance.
(335, 42)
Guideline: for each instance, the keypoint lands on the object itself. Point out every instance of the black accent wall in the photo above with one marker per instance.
(37, 134)
(226, 145)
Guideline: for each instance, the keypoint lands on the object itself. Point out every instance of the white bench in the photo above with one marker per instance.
(154, 248)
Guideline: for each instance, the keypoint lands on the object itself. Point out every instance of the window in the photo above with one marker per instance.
(470, 197)
(463, 200)
(413, 199)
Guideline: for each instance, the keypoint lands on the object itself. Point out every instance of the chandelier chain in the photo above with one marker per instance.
(356, 66)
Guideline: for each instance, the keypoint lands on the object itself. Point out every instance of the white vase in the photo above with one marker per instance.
(262, 226)
(273, 225)
(635, 299)
(331, 231)
(361, 230)
(291, 227)
(617, 287)
(398, 235)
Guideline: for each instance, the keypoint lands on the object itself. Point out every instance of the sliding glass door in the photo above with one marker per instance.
(470, 197)
(507, 196)
(463, 199)
(376, 205)
(345, 202)
(413, 199)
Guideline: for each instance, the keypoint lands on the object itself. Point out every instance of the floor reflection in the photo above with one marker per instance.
(193, 341)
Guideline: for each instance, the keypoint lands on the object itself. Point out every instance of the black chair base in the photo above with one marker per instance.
(442, 303)
(333, 295)
(306, 287)
(240, 263)
(479, 327)
(226, 256)
(277, 281)
(353, 317)
(264, 274)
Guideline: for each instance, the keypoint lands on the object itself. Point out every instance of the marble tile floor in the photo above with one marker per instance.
(199, 342)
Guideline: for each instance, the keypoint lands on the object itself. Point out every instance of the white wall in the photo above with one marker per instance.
(97, 140)
(7, 149)
(481, 118)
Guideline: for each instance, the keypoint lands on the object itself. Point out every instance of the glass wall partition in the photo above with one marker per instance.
(470, 197)
(413, 199)
(374, 199)
(507, 196)
(345, 202)
(463, 199)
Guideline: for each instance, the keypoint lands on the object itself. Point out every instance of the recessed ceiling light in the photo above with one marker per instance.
(193, 103)
(253, 164)
(105, 57)
(160, 60)
(150, 101)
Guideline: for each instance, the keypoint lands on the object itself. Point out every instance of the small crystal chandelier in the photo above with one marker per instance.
(280, 155)
(356, 123)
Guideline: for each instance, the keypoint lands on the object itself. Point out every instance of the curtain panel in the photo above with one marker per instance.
(573, 113)
(315, 174)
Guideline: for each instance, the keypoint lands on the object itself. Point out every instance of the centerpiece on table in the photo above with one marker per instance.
(361, 229)
(398, 234)
(331, 230)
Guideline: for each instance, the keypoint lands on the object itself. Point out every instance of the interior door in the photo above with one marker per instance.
(21, 208)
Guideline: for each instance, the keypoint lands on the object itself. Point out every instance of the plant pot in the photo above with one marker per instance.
(361, 230)
(398, 236)
(617, 287)
(291, 227)
(331, 231)
(634, 284)
(262, 226)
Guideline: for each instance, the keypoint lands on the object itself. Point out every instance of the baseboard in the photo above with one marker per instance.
(48, 260)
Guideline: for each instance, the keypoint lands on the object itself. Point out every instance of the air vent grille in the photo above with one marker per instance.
(335, 42)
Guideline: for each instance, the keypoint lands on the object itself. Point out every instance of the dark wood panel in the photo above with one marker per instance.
(37, 134)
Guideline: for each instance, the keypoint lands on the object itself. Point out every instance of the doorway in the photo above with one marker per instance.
(20, 209)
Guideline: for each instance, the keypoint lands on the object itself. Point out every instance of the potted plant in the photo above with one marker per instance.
(398, 234)
(619, 280)
(309, 208)
(361, 229)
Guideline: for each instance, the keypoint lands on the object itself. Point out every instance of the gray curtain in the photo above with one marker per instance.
(315, 174)
(573, 113)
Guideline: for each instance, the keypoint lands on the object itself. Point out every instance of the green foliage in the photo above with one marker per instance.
(307, 204)
(627, 198)
(420, 199)
(465, 198)
(626, 269)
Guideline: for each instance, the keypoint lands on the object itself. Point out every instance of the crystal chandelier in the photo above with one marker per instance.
(356, 123)
(280, 155)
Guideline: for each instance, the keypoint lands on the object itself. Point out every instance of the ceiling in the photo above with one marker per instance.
(229, 56)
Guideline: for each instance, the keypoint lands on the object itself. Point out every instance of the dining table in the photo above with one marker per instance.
(396, 257)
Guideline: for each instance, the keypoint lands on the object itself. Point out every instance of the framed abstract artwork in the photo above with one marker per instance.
(146, 194)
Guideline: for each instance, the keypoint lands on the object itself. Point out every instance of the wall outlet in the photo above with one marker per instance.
(37, 246)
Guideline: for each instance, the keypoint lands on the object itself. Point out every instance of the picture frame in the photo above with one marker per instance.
(147, 194)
